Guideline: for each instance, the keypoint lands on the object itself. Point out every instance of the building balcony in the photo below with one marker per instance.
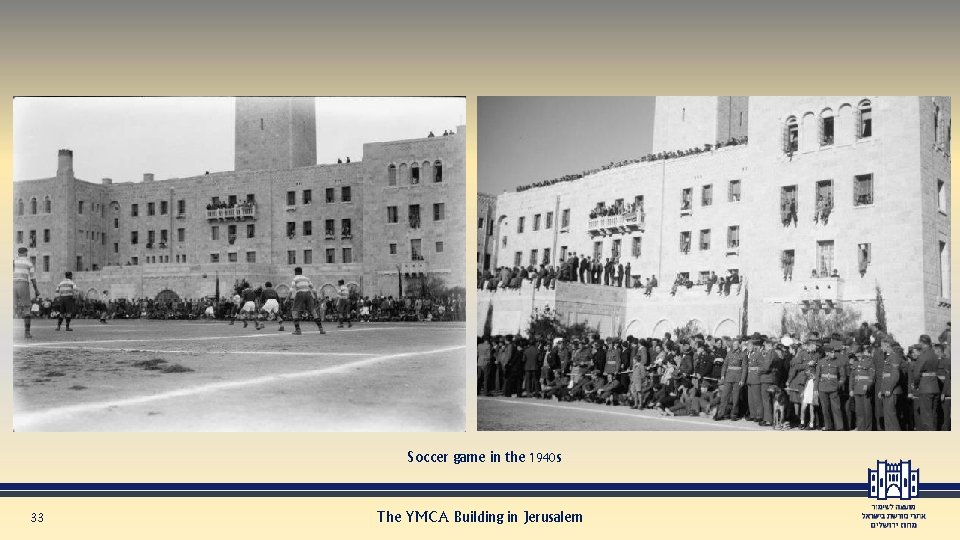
(233, 213)
(618, 224)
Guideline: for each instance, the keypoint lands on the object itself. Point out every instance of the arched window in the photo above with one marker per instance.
(864, 119)
(33, 206)
(46, 205)
(791, 135)
(437, 171)
(392, 175)
(19, 207)
(826, 127)
(414, 173)
(402, 173)
(426, 171)
(808, 132)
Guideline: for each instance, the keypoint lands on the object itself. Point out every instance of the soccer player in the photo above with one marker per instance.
(249, 309)
(343, 305)
(304, 301)
(66, 291)
(237, 302)
(24, 276)
(270, 305)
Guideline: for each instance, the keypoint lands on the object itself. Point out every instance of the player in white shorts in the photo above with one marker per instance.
(237, 303)
(270, 305)
(249, 309)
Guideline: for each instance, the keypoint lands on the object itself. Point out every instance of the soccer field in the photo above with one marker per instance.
(534, 414)
(143, 375)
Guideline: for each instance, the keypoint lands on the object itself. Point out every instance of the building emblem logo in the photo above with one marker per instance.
(893, 481)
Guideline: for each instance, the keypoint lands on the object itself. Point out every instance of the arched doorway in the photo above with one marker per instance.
(726, 327)
(663, 326)
(167, 296)
(329, 290)
(283, 291)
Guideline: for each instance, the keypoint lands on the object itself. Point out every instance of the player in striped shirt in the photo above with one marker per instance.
(343, 305)
(24, 276)
(66, 291)
(304, 301)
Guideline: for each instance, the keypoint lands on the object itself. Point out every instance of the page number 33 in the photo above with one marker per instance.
(36, 517)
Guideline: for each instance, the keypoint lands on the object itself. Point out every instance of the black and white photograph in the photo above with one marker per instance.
(713, 263)
(240, 264)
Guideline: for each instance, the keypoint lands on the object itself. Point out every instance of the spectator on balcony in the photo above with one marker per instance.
(574, 267)
(619, 274)
(786, 261)
(628, 275)
(788, 212)
(824, 208)
(648, 288)
(711, 281)
(584, 266)
(863, 260)
(835, 274)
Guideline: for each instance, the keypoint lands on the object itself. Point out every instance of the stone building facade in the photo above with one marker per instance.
(486, 216)
(137, 239)
(856, 184)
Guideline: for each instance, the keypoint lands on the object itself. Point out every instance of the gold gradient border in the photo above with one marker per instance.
(434, 48)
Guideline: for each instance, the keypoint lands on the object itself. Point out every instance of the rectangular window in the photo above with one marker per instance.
(438, 212)
(704, 239)
(533, 256)
(291, 198)
(19, 237)
(685, 242)
(181, 207)
(862, 189)
(251, 199)
(163, 236)
(116, 247)
(251, 256)
(704, 276)
(826, 130)
(520, 223)
(438, 247)
(307, 228)
(393, 249)
(181, 235)
(134, 237)
(546, 256)
(414, 174)
(291, 257)
(307, 196)
(347, 255)
(480, 223)
(824, 198)
(331, 255)
(308, 256)
(232, 257)
(345, 195)
(331, 196)
(686, 200)
(563, 253)
(135, 260)
(565, 218)
(392, 215)
(824, 258)
(392, 175)
(941, 196)
(231, 233)
(413, 215)
(548, 224)
(345, 230)
(733, 237)
(517, 258)
(733, 191)
(151, 209)
(706, 196)
(329, 228)
(215, 232)
(635, 249)
(151, 237)
(134, 210)
(788, 205)
(944, 270)
(597, 250)
(251, 230)
(80, 208)
(232, 200)
(46, 236)
(291, 229)
(615, 253)
(415, 250)
(536, 222)
(214, 257)
(46, 263)
(116, 223)
(163, 208)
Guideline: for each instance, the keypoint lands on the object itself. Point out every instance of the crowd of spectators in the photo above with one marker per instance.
(861, 380)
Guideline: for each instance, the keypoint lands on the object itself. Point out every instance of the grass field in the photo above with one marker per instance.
(141, 375)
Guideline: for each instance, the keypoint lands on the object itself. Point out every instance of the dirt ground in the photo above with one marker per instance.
(141, 375)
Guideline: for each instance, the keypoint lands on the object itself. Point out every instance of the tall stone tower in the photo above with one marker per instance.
(682, 122)
(275, 133)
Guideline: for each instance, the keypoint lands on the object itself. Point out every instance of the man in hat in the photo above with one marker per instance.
(944, 374)
(732, 378)
(24, 275)
(754, 385)
(862, 376)
(926, 385)
(888, 392)
(828, 379)
(768, 380)
(531, 368)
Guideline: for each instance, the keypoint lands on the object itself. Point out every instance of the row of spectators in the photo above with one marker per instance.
(863, 380)
(733, 141)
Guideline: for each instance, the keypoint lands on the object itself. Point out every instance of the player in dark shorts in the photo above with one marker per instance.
(23, 277)
(304, 301)
(269, 305)
(66, 291)
(249, 310)
(343, 305)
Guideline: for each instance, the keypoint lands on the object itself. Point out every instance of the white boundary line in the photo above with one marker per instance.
(213, 338)
(619, 413)
(198, 352)
(24, 420)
